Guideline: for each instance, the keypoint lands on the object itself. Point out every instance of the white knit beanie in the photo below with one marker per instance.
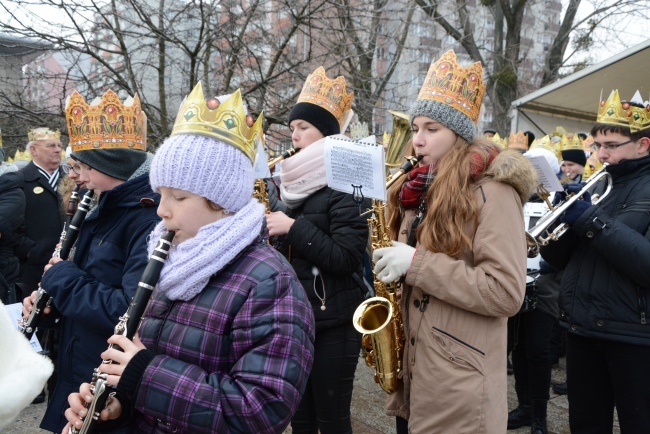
(204, 166)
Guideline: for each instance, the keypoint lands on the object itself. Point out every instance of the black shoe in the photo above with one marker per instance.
(538, 411)
(509, 367)
(40, 398)
(520, 416)
(560, 389)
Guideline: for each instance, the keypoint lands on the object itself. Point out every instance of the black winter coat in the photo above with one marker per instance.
(12, 216)
(328, 240)
(606, 256)
(43, 225)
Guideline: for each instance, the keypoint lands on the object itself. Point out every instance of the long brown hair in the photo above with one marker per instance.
(450, 203)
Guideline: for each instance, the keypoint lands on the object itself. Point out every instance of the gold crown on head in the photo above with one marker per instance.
(459, 87)
(546, 143)
(639, 117)
(328, 93)
(224, 121)
(501, 143)
(518, 140)
(43, 133)
(612, 112)
(106, 123)
(571, 143)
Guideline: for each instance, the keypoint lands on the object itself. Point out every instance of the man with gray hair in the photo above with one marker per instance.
(43, 216)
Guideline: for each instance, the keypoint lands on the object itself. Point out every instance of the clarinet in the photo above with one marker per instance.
(127, 326)
(68, 237)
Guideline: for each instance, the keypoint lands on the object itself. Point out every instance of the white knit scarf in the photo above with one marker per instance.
(303, 174)
(192, 262)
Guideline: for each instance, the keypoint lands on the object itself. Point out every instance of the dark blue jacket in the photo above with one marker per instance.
(92, 292)
(12, 223)
(606, 257)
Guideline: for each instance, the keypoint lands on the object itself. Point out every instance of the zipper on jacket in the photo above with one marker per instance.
(642, 305)
(458, 340)
(641, 205)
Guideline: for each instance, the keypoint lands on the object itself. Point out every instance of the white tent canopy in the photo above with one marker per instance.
(572, 102)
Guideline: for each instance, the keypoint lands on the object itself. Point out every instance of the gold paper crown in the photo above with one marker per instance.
(545, 143)
(518, 141)
(43, 134)
(22, 156)
(593, 164)
(559, 132)
(225, 121)
(502, 143)
(327, 93)
(611, 112)
(586, 143)
(454, 85)
(106, 123)
(572, 143)
(639, 117)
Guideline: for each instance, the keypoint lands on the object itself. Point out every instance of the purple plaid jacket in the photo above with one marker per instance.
(234, 359)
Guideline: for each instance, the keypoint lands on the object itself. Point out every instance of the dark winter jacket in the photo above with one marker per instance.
(606, 256)
(43, 225)
(325, 246)
(12, 216)
(97, 287)
(243, 347)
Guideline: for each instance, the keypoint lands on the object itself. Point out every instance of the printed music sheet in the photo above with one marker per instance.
(15, 312)
(547, 177)
(356, 165)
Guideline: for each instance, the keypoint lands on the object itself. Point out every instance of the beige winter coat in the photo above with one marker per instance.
(454, 365)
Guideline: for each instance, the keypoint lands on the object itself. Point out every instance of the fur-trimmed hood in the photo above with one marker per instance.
(512, 168)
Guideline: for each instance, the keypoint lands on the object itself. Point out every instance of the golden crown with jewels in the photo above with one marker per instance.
(328, 93)
(546, 143)
(224, 121)
(459, 87)
(611, 111)
(106, 123)
(43, 133)
(638, 117)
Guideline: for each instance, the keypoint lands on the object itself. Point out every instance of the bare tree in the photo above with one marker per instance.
(503, 59)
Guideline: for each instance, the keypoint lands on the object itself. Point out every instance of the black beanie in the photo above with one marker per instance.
(119, 163)
(317, 116)
(575, 155)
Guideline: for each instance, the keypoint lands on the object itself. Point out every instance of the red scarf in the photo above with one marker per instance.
(413, 191)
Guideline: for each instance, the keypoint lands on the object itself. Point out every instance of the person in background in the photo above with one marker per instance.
(229, 321)
(324, 238)
(573, 160)
(43, 215)
(460, 252)
(12, 218)
(605, 286)
(489, 133)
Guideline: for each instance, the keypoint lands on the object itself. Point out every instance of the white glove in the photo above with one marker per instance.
(393, 262)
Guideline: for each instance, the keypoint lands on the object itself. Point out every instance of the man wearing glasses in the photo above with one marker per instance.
(605, 295)
(43, 216)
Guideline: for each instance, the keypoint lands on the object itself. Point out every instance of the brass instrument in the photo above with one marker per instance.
(286, 154)
(259, 192)
(546, 231)
(400, 136)
(379, 318)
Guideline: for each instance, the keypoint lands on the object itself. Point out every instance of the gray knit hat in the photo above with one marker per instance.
(118, 163)
(452, 95)
(448, 116)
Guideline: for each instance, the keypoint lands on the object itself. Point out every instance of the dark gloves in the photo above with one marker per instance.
(560, 196)
(571, 215)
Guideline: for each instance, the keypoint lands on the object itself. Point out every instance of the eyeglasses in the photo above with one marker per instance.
(67, 168)
(596, 146)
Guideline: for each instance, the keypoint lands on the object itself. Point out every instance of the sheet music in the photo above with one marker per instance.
(261, 168)
(350, 163)
(15, 312)
(547, 177)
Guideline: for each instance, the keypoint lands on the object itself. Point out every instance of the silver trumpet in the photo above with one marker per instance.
(547, 229)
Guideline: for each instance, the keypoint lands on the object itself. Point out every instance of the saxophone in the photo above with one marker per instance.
(379, 319)
(259, 191)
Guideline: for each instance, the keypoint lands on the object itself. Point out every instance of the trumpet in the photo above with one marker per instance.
(546, 230)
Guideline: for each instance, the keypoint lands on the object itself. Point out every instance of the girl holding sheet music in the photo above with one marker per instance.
(461, 253)
(324, 238)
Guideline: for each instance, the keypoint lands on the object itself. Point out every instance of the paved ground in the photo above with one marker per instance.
(367, 409)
